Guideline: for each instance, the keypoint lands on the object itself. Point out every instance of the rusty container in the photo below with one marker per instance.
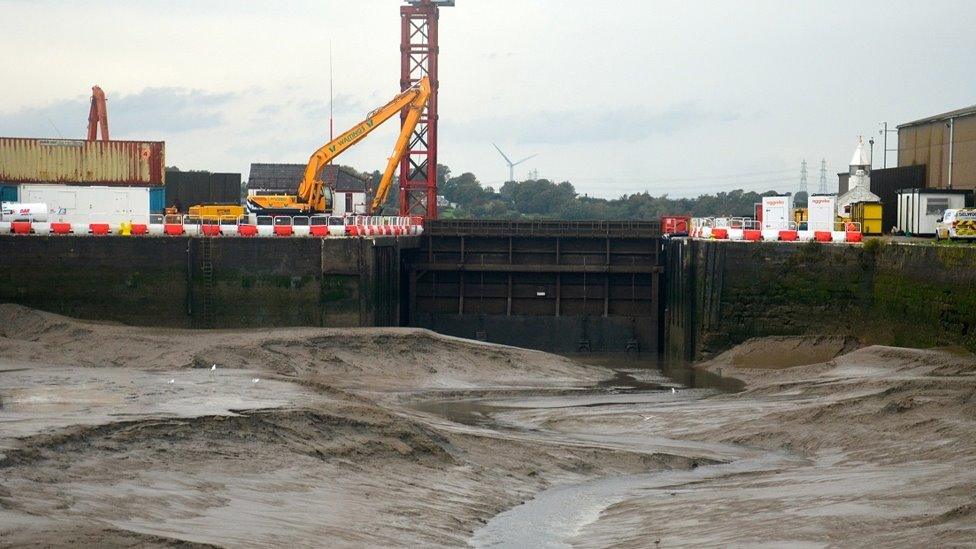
(79, 162)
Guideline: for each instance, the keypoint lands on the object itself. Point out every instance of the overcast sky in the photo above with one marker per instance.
(618, 97)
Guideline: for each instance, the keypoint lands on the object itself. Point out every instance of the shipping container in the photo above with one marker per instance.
(185, 189)
(920, 209)
(77, 204)
(79, 162)
(674, 225)
(869, 215)
(157, 200)
(9, 193)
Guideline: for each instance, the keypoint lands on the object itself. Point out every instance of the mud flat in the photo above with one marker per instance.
(120, 436)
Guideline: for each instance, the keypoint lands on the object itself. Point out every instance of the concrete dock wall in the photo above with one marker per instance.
(194, 282)
(719, 294)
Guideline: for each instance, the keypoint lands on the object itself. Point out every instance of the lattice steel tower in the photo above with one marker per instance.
(803, 177)
(823, 176)
(418, 58)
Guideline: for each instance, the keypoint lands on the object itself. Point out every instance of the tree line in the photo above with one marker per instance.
(545, 199)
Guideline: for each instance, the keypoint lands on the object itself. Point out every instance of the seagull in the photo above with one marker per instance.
(172, 381)
(673, 391)
(646, 417)
(213, 370)
(255, 380)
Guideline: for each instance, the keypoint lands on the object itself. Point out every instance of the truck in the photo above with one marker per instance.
(956, 223)
(18, 211)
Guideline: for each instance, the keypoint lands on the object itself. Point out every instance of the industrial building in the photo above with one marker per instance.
(945, 144)
(350, 189)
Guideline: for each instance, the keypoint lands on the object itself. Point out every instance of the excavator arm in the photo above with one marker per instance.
(311, 190)
(97, 115)
(403, 141)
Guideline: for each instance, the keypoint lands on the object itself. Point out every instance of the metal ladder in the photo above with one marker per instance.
(207, 308)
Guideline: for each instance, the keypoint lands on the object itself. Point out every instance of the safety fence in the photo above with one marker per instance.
(750, 230)
(320, 226)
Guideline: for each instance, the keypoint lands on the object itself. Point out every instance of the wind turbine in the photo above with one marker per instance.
(511, 165)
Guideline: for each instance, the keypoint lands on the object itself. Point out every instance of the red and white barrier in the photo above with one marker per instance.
(316, 226)
(749, 230)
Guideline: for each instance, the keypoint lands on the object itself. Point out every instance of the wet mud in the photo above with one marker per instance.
(398, 437)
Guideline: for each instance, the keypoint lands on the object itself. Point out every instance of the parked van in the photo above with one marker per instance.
(957, 223)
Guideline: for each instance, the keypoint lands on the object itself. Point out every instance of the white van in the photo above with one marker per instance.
(957, 223)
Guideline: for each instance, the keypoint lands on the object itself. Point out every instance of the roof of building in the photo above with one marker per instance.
(286, 177)
(861, 157)
(958, 113)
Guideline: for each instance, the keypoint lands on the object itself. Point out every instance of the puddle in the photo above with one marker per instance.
(554, 516)
(678, 372)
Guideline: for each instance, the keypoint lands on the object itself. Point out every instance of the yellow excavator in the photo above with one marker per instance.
(311, 197)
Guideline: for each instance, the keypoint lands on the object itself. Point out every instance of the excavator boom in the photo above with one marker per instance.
(311, 191)
(97, 115)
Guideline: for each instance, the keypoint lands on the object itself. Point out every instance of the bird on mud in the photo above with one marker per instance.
(673, 391)
(172, 381)
(255, 380)
(213, 370)
(646, 418)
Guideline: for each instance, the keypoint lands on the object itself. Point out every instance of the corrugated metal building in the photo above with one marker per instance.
(185, 189)
(79, 162)
(945, 144)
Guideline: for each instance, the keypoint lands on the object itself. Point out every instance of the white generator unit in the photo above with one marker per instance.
(820, 212)
(73, 204)
(777, 211)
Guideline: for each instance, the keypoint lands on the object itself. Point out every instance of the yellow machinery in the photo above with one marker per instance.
(868, 214)
(311, 196)
(215, 212)
(800, 215)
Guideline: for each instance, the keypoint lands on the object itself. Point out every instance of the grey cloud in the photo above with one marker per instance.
(152, 110)
(562, 127)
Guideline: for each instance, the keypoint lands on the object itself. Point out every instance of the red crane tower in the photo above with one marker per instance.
(418, 58)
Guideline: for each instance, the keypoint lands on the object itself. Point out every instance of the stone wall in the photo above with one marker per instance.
(195, 282)
(722, 293)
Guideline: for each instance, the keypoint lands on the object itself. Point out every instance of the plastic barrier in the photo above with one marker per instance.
(838, 236)
(318, 226)
(720, 233)
(736, 233)
(822, 236)
(789, 236)
(853, 236)
(247, 230)
(752, 235)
